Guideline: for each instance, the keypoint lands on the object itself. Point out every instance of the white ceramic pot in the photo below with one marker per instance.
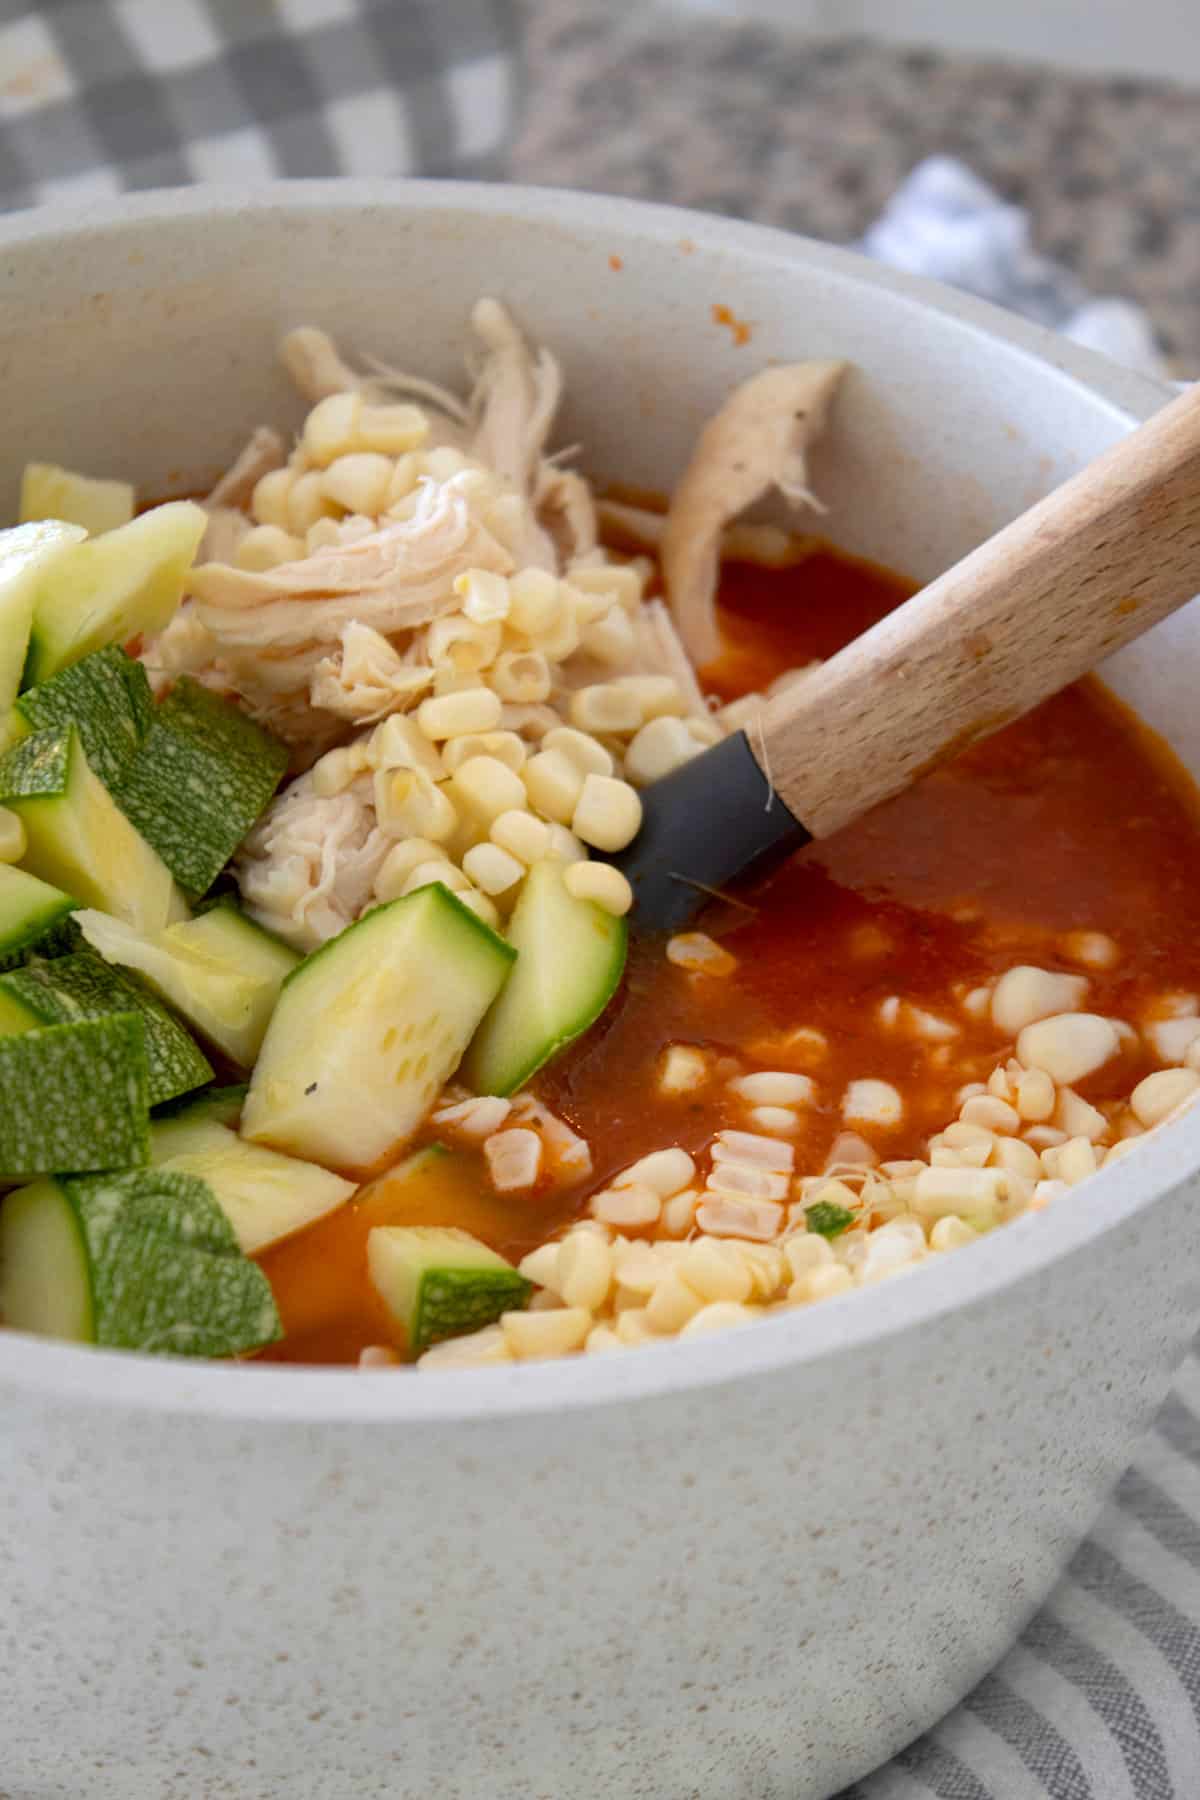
(742, 1568)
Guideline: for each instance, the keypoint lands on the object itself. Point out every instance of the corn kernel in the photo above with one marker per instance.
(358, 481)
(479, 903)
(610, 638)
(336, 770)
(523, 836)
(564, 846)
(608, 814)
(269, 501)
(392, 429)
(450, 715)
(606, 706)
(484, 596)
(331, 428)
(589, 756)
(600, 883)
(553, 784)
(530, 1336)
(306, 502)
(619, 582)
(400, 862)
(266, 546)
(322, 536)
(533, 602)
(629, 1208)
(659, 747)
(485, 787)
(504, 746)
(409, 804)
(658, 696)
(492, 870)
(584, 1270)
(522, 676)
(442, 870)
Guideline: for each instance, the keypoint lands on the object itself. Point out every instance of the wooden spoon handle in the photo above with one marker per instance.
(1093, 565)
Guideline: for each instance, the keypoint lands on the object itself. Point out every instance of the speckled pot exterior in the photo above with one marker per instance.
(745, 1568)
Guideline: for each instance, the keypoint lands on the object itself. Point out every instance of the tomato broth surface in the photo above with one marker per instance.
(1075, 819)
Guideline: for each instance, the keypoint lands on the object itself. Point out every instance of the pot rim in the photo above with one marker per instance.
(855, 1322)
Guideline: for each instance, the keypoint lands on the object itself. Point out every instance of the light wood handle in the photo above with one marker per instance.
(1100, 560)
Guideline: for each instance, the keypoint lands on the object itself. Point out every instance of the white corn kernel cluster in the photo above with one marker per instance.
(491, 677)
(669, 1253)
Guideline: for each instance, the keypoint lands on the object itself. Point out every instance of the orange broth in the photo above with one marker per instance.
(1075, 818)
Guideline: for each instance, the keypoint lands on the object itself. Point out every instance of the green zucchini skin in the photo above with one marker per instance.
(33, 915)
(75, 1097)
(140, 1260)
(107, 698)
(78, 838)
(439, 1282)
(203, 775)
(369, 1027)
(124, 584)
(83, 986)
(570, 959)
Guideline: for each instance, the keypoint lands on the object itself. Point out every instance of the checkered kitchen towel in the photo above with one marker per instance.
(1101, 1698)
(101, 95)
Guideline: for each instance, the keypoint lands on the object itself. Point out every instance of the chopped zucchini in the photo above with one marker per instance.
(107, 696)
(27, 554)
(221, 971)
(570, 958)
(30, 912)
(78, 838)
(199, 782)
(74, 1097)
(438, 1282)
(84, 986)
(369, 1027)
(110, 589)
(142, 1260)
(213, 1106)
(264, 1194)
(51, 492)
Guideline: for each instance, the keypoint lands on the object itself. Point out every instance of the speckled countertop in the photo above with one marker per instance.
(762, 123)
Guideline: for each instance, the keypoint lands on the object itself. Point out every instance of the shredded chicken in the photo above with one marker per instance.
(401, 520)
(757, 441)
(267, 631)
(307, 869)
(626, 527)
(367, 678)
(224, 532)
(264, 451)
(660, 649)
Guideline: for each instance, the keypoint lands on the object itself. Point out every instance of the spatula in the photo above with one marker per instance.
(1093, 565)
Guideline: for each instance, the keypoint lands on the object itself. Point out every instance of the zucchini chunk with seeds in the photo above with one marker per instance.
(107, 697)
(570, 958)
(77, 836)
(74, 1097)
(31, 911)
(438, 1282)
(221, 971)
(198, 783)
(370, 1026)
(84, 986)
(49, 491)
(107, 590)
(264, 1194)
(141, 1260)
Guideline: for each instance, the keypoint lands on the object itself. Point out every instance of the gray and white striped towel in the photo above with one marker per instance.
(1101, 1698)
